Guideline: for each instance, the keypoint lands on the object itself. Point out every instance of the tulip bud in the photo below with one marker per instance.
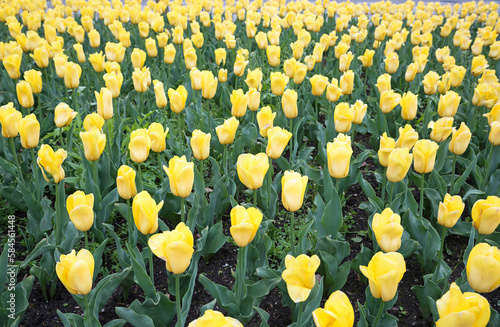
(50, 163)
(177, 98)
(227, 131)
(462, 309)
(399, 162)
(41, 57)
(174, 247)
(343, 117)
(104, 101)
(93, 120)
(289, 103)
(114, 82)
(391, 62)
(244, 224)
(441, 129)
(318, 84)
(387, 144)
(494, 136)
(252, 169)
(141, 79)
(190, 58)
(299, 276)
(407, 137)
(180, 175)
(293, 188)
(411, 72)
(151, 47)
(388, 230)
(200, 144)
(222, 75)
(409, 106)
(80, 209)
(482, 268)
(125, 182)
(339, 158)
(93, 143)
(367, 58)
(265, 118)
(79, 52)
(460, 139)
(486, 215)
(75, 271)
(450, 210)
(63, 115)
(239, 101)
(161, 98)
(383, 83)
(138, 58)
(157, 136)
(145, 212)
(169, 55)
(430, 82)
(254, 79)
(72, 73)
(139, 145)
(424, 155)
(277, 140)
(9, 118)
(278, 83)
(448, 104)
(220, 56)
(479, 64)
(94, 39)
(389, 100)
(208, 84)
(29, 130)
(384, 272)
(253, 99)
(273, 55)
(347, 82)
(34, 78)
(24, 94)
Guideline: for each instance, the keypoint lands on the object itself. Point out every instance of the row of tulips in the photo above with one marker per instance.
(284, 86)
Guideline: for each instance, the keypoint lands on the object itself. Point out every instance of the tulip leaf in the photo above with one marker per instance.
(14, 197)
(209, 306)
(437, 182)
(370, 193)
(311, 304)
(116, 323)
(319, 230)
(225, 298)
(492, 185)
(211, 240)
(123, 257)
(441, 155)
(264, 316)
(408, 247)
(332, 219)
(135, 319)
(459, 182)
(362, 258)
(98, 258)
(494, 318)
(429, 291)
(106, 208)
(104, 289)
(142, 277)
(72, 237)
(70, 319)
(435, 197)
(42, 247)
(161, 312)
(21, 293)
(304, 243)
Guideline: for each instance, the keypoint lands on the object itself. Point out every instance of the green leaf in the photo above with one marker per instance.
(137, 320)
(370, 193)
(42, 247)
(98, 258)
(103, 291)
(459, 182)
(225, 298)
(332, 219)
(141, 276)
(264, 316)
(311, 304)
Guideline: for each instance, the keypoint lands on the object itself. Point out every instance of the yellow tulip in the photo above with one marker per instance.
(244, 224)
(162, 39)
(104, 101)
(430, 82)
(138, 58)
(139, 145)
(333, 91)
(478, 65)
(93, 143)
(277, 140)
(220, 56)
(384, 272)
(494, 136)
(289, 103)
(200, 144)
(441, 129)
(318, 84)
(273, 55)
(347, 82)
(157, 136)
(222, 75)
(383, 83)
(34, 78)
(252, 169)
(178, 35)
(293, 188)
(208, 84)
(75, 271)
(72, 73)
(161, 98)
(494, 114)
(388, 230)
(214, 319)
(50, 162)
(227, 131)
(398, 164)
(409, 106)
(253, 99)
(97, 60)
(114, 82)
(462, 309)
(482, 268)
(79, 52)
(389, 100)
(448, 104)
(177, 98)
(278, 83)
(460, 139)
(299, 276)
(391, 62)
(424, 155)
(341, 49)
(239, 65)
(338, 311)
(125, 182)
(254, 79)
(143, 29)
(63, 115)
(310, 62)
(24, 94)
(141, 79)
(145, 212)
(239, 101)
(230, 41)
(94, 38)
(343, 116)
(265, 118)
(450, 210)
(114, 51)
(411, 72)
(367, 58)
(180, 175)
(339, 157)
(387, 144)
(41, 57)
(29, 130)
(298, 49)
(93, 120)
(190, 58)
(169, 55)
(80, 209)
(486, 215)
(299, 73)
(318, 53)
(407, 137)
(151, 47)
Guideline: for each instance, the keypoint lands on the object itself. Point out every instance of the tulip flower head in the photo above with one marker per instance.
(239, 101)
(244, 224)
(214, 319)
(482, 268)
(125, 182)
(293, 188)
(343, 117)
(93, 120)
(174, 247)
(227, 131)
(399, 163)
(80, 209)
(338, 311)
(407, 137)
(93, 142)
(145, 212)
(180, 175)
(29, 130)
(177, 98)
(462, 309)
(299, 276)
(200, 144)
(424, 156)
(450, 210)
(75, 271)
(157, 136)
(50, 163)
(139, 145)
(441, 129)
(387, 144)
(252, 169)
(384, 272)
(277, 140)
(486, 215)
(339, 157)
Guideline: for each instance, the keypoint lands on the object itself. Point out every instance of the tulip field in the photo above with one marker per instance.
(249, 163)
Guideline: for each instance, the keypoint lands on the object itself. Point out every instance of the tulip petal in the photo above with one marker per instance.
(80, 278)
(179, 256)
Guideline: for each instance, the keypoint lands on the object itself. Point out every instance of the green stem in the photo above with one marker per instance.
(242, 263)
(337, 181)
(386, 126)
(178, 300)
(96, 173)
(390, 194)
(87, 311)
(57, 226)
(75, 100)
(179, 133)
(292, 237)
(441, 249)
(225, 159)
(86, 240)
(183, 214)
(453, 174)
(142, 102)
(421, 206)
(353, 133)
(316, 108)
(139, 176)
(162, 177)
(291, 141)
(130, 224)
(480, 238)
(35, 172)
(488, 167)
(384, 183)
(14, 154)
(40, 114)
(108, 138)
(270, 183)
(379, 313)
(299, 315)
(151, 267)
